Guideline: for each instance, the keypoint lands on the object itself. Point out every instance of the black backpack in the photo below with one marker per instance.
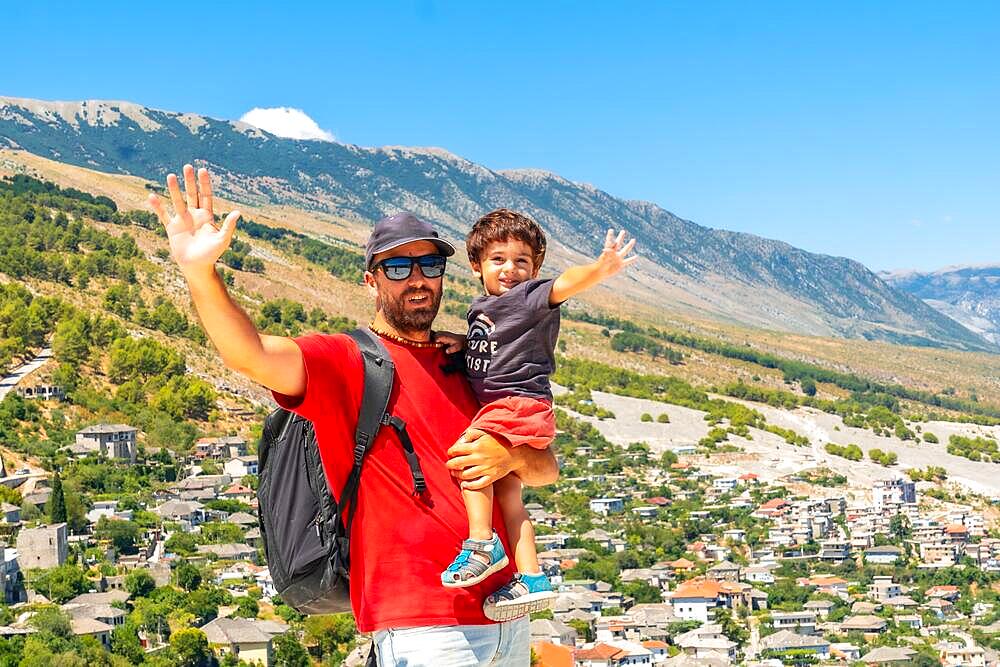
(306, 539)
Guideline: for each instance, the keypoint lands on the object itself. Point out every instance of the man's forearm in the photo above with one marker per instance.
(228, 327)
(536, 467)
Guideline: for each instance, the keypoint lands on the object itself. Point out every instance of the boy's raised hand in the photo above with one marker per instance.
(615, 255)
(195, 240)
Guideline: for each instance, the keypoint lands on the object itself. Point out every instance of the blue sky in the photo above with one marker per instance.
(868, 130)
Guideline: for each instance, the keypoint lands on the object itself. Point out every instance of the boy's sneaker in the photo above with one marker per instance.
(524, 594)
(477, 560)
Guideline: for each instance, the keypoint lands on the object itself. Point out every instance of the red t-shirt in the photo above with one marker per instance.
(400, 543)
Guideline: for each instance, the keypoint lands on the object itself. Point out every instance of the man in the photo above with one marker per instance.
(400, 542)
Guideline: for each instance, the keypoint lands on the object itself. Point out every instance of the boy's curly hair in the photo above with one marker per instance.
(501, 225)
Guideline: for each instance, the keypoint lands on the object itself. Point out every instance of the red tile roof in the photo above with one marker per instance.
(827, 581)
(552, 655)
(599, 652)
(698, 588)
(938, 602)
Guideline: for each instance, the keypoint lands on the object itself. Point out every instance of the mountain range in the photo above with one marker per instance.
(736, 277)
(967, 294)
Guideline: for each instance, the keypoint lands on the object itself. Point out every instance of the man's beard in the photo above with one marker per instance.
(410, 320)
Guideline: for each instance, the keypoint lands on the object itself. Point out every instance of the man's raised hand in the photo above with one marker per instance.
(195, 240)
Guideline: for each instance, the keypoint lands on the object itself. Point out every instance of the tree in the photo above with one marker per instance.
(123, 534)
(118, 300)
(288, 652)
(899, 526)
(183, 396)
(142, 358)
(56, 508)
(583, 629)
(246, 607)
(53, 626)
(29, 511)
(787, 595)
(182, 543)
(642, 592)
(71, 342)
(151, 616)
(808, 386)
(187, 576)
(11, 651)
(125, 642)
(220, 532)
(139, 583)
(36, 653)
(667, 459)
(58, 584)
(204, 603)
(191, 648)
(330, 632)
(76, 512)
(730, 627)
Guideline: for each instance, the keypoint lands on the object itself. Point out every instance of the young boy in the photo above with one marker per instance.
(509, 354)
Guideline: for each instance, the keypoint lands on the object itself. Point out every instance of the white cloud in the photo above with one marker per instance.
(287, 122)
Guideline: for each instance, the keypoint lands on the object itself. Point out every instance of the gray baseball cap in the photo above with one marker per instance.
(399, 229)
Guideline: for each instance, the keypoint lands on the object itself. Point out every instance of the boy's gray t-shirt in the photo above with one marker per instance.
(510, 350)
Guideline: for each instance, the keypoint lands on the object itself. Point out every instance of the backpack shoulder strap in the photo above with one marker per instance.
(379, 374)
(378, 380)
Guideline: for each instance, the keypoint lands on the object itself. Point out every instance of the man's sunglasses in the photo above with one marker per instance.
(399, 268)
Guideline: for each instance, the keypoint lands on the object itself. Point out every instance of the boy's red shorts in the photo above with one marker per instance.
(521, 420)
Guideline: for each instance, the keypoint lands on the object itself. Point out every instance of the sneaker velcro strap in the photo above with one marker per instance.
(481, 546)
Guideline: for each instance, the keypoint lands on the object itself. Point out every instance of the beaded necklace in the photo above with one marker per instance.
(404, 341)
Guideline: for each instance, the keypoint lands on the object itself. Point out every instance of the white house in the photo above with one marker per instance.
(884, 555)
(735, 534)
(694, 600)
(188, 513)
(724, 483)
(614, 654)
(241, 466)
(607, 506)
(646, 511)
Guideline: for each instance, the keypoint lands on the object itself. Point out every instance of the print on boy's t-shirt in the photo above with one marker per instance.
(510, 347)
(479, 349)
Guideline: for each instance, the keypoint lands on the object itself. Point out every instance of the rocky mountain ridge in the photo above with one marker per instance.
(732, 276)
(967, 294)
